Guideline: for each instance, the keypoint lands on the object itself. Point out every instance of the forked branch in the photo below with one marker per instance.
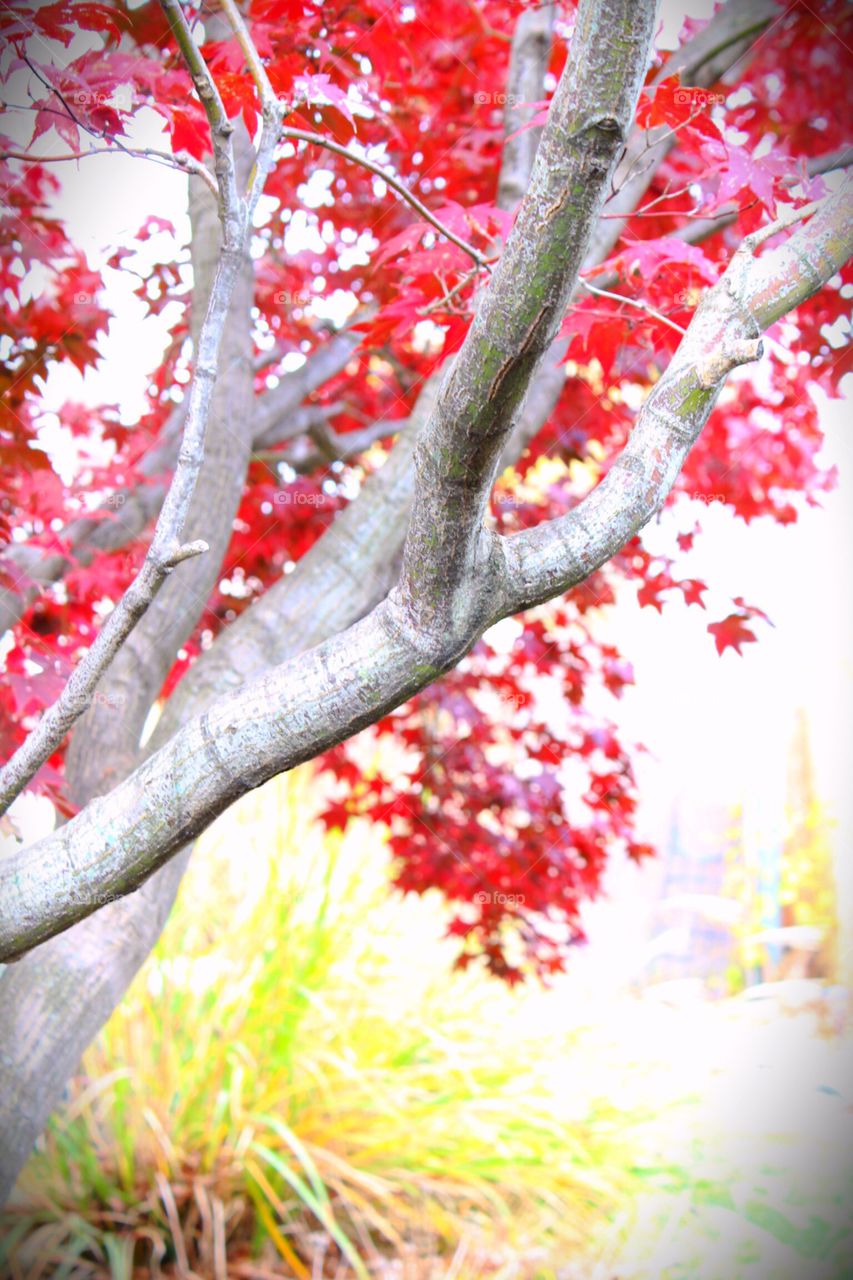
(167, 548)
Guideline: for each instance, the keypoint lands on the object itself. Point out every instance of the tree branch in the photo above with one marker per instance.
(528, 66)
(221, 127)
(632, 302)
(173, 160)
(703, 59)
(77, 695)
(55, 999)
(474, 414)
(53, 1002)
(318, 140)
(520, 312)
(276, 417)
(325, 695)
(167, 548)
(752, 294)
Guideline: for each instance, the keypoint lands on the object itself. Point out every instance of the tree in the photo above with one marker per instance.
(340, 517)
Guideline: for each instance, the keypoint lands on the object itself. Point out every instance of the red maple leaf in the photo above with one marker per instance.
(731, 633)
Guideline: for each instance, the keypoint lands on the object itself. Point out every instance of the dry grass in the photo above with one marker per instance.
(296, 1086)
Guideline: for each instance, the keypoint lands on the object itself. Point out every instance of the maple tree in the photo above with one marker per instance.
(313, 529)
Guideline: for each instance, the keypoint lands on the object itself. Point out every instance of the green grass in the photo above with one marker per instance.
(296, 1082)
(297, 1085)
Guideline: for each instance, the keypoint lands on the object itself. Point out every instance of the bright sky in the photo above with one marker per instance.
(720, 728)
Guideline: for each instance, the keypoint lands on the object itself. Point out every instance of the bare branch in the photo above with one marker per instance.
(57, 997)
(703, 58)
(317, 140)
(167, 548)
(528, 65)
(257, 70)
(78, 692)
(277, 417)
(701, 61)
(221, 127)
(468, 426)
(324, 696)
(788, 219)
(632, 302)
(174, 160)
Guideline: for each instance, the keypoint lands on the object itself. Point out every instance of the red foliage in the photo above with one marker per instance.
(510, 810)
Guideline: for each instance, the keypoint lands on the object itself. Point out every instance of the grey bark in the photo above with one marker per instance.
(122, 837)
(528, 66)
(330, 692)
(456, 459)
(276, 416)
(54, 1000)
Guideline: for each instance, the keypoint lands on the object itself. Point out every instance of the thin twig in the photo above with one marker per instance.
(271, 108)
(440, 303)
(77, 695)
(694, 214)
(785, 220)
(180, 161)
(317, 140)
(633, 302)
(221, 127)
(666, 194)
(650, 146)
(51, 88)
(257, 70)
